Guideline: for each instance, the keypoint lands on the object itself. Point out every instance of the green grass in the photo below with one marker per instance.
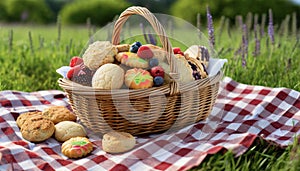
(30, 66)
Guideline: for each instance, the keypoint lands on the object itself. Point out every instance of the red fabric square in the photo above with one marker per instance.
(271, 108)
(276, 125)
(264, 92)
(5, 103)
(255, 102)
(49, 151)
(237, 99)
(119, 167)
(244, 112)
(163, 166)
(282, 95)
(26, 102)
(230, 87)
(214, 150)
(45, 167)
(7, 130)
(183, 152)
(228, 107)
(63, 162)
(247, 91)
(99, 159)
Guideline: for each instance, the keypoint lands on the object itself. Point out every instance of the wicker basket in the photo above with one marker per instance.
(145, 111)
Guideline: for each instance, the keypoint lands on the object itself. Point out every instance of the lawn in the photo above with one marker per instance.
(29, 56)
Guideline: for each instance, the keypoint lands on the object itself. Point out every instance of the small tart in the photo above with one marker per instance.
(77, 147)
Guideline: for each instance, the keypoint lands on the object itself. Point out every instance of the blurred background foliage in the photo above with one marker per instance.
(102, 11)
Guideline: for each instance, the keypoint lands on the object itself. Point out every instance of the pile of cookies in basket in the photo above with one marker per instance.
(135, 66)
(59, 122)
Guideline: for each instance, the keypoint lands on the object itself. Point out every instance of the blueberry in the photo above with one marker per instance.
(134, 48)
(158, 81)
(153, 62)
(139, 44)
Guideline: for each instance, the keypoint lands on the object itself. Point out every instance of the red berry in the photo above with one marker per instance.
(70, 73)
(73, 71)
(157, 71)
(177, 50)
(145, 52)
(76, 61)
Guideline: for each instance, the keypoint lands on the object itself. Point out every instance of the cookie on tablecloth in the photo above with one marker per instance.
(67, 129)
(24, 116)
(58, 114)
(37, 128)
(117, 142)
(77, 147)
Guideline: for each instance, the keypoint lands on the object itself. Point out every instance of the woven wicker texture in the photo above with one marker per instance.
(145, 111)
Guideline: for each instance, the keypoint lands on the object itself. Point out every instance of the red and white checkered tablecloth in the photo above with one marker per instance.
(241, 114)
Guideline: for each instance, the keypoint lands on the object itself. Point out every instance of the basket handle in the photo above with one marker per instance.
(158, 28)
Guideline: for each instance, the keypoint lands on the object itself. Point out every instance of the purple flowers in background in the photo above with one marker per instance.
(144, 32)
(244, 45)
(270, 27)
(149, 38)
(210, 28)
(257, 41)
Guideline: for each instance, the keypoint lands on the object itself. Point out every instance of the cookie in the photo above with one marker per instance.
(37, 129)
(77, 147)
(137, 78)
(118, 142)
(200, 53)
(184, 69)
(98, 54)
(24, 116)
(67, 129)
(123, 48)
(58, 114)
(158, 52)
(108, 76)
(132, 60)
(190, 69)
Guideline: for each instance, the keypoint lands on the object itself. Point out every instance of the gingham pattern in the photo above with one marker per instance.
(241, 114)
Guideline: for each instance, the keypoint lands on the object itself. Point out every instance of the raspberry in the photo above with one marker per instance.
(177, 50)
(76, 61)
(145, 52)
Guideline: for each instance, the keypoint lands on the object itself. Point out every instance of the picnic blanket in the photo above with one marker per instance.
(241, 114)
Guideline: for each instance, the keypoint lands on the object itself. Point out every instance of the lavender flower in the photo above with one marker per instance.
(271, 28)
(144, 32)
(257, 41)
(152, 39)
(244, 45)
(210, 28)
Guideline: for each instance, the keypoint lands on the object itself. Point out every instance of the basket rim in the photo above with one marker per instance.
(67, 84)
